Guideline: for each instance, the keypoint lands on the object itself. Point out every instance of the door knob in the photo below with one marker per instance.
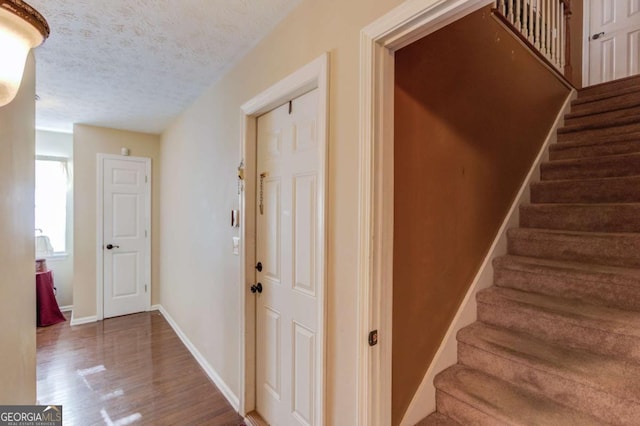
(259, 266)
(111, 246)
(597, 36)
(256, 288)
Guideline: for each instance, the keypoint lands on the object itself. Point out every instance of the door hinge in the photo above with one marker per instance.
(290, 107)
(145, 233)
(146, 179)
(145, 288)
(373, 338)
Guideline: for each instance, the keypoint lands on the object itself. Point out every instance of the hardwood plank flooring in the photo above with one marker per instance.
(127, 370)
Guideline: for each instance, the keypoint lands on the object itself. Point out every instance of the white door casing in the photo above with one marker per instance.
(124, 249)
(314, 75)
(287, 167)
(613, 38)
(408, 22)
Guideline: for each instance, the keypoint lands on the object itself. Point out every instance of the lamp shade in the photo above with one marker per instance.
(21, 29)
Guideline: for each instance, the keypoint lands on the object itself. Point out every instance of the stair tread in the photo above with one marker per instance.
(601, 123)
(585, 98)
(590, 180)
(594, 142)
(601, 158)
(624, 109)
(618, 377)
(586, 271)
(504, 401)
(614, 129)
(559, 233)
(437, 419)
(597, 317)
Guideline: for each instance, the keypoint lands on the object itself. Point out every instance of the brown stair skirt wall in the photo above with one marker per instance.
(557, 339)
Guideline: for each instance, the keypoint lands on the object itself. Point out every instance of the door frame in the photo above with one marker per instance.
(586, 37)
(409, 22)
(100, 227)
(314, 75)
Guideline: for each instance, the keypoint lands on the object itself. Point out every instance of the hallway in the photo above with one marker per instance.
(126, 370)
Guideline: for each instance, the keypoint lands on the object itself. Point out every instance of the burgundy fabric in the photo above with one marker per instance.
(48, 312)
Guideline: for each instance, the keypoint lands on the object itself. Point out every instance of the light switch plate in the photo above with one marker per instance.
(236, 246)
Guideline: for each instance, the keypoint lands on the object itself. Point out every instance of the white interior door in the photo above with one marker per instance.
(125, 235)
(614, 44)
(287, 238)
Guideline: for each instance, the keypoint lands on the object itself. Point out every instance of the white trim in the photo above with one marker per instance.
(313, 75)
(406, 23)
(83, 320)
(586, 36)
(66, 308)
(155, 307)
(100, 223)
(423, 402)
(215, 378)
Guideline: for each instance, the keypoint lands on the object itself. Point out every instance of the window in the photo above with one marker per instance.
(52, 184)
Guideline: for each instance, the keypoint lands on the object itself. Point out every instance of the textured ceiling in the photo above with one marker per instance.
(137, 64)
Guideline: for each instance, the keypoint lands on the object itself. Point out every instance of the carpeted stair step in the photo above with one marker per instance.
(607, 249)
(570, 323)
(604, 119)
(592, 167)
(623, 98)
(611, 392)
(605, 190)
(584, 149)
(437, 419)
(610, 87)
(567, 134)
(598, 217)
(595, 284)
(471, 397)
(609, 105)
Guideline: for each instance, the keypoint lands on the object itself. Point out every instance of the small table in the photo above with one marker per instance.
(47, 309)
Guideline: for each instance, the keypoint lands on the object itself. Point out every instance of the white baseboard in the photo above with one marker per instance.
(155, 307)
(83, 320)
(215, 378)
(66, 308)
(424, 400)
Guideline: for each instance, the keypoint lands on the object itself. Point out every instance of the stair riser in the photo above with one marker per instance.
(572, 394)
(630, 130)
(602, 89)
(591, 169)
(589, 218)
(596, 105)
(614, 107)
(559, 330)
(598, 292)
(626, 190)
(589, 150)
(602, 121)
(613, 250)
(462, 412)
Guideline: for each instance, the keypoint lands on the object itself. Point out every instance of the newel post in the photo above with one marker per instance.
(568, 69)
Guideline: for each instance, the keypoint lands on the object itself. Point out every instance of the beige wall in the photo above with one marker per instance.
(200, 153)
(17, 253)
(87, 142)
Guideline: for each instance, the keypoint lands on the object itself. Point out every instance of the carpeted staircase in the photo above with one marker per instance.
(557, 341)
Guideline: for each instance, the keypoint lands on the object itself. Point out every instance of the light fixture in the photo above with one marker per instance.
(21, 29)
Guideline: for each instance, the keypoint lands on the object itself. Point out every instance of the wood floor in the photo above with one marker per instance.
(126, 370)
